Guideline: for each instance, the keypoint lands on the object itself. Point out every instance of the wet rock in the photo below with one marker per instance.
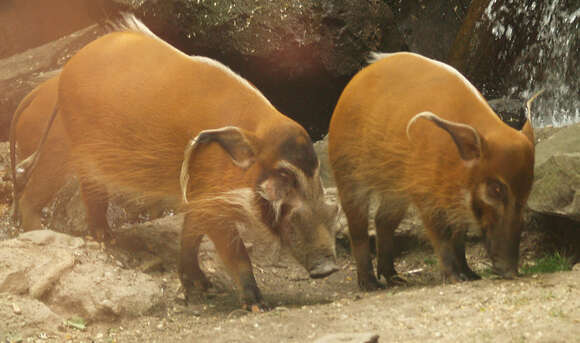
(73, 280)
(490, 40)
(556, 188)
(349, 338)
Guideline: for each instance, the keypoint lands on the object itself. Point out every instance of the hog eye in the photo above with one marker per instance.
(286, 175)
(496, 189)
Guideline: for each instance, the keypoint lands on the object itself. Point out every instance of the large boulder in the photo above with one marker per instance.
(556, 188)
(300, 54)
(429, 27)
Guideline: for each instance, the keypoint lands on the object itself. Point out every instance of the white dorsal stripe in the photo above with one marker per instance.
(130, 23)
(377, 56)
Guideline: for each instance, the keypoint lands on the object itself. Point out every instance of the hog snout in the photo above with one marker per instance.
(323, 269)
(505, 270)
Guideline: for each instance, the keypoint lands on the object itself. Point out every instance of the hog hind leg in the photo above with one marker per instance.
(389, 215)
(96, 200)
(356, 209)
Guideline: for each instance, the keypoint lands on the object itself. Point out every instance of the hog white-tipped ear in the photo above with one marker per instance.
(238, 143)
(465, 137)
(527, 129)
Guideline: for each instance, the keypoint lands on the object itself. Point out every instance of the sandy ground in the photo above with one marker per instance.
(538, 308)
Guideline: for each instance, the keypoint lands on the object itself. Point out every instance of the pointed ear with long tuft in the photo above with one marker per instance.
(527, 129)
(240, 144)
(466, 138)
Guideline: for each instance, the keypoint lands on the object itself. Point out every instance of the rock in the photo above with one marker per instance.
(543, 133)
(46, 237)
(299, 53)
(511, 111)
(97, 291)
(483, 51)
(20, 73)
(349, 338)
(321, 149)
(557, 175)
(73, 280)
(160, 237)
(66, 212)
(33, 316)
(429, 27)
(517, 47)
(556, 187)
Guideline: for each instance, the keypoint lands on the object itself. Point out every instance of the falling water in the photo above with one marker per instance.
(550, 59)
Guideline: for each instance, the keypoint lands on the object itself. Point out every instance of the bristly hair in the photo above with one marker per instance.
(377, 56)
(130, 23)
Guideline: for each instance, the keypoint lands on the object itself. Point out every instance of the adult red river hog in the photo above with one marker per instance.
(35, 191)
(411, 130)
(145, 119)
(29, 122)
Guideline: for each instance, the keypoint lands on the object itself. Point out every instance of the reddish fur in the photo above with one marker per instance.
(371, 153)
(131, 103)
(157, 124)
(51, 170)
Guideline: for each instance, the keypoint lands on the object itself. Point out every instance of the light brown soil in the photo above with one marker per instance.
(542, 308)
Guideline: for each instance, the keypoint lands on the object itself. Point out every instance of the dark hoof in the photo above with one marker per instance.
(459, 277)
(396, 280)
(510, 274)
(195, 285)
(370, 285)
(473, 276)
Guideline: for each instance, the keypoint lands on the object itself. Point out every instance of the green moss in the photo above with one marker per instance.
(430, 261)
(548, 264)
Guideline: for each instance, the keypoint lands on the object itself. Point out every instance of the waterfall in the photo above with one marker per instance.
(550, 59)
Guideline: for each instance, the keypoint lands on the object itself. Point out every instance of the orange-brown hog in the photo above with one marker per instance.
(411, 130)
(34, 191)
(147, 120)
(29, 122)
